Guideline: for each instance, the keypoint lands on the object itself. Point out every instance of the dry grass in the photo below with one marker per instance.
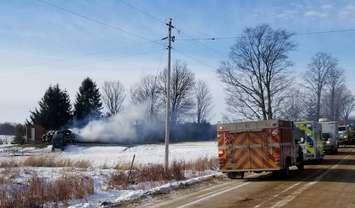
(122, 166)
(156, 173)
(3, 180)
(45, 161)
(8, 175)
(202, 164)
(152, 173)
(41, 161)
(9, 164)
(39, 191)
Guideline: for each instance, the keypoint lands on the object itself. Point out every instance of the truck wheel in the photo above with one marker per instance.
(286, 172)
(300, 166)
(235, 175)
(300, 163)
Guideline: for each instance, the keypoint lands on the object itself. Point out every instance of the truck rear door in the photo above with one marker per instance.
(251, 151)
(263, 151)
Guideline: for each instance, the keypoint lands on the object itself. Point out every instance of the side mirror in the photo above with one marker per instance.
(302, 140)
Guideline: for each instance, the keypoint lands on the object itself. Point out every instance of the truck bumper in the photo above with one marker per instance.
(250, 170)
(330, 148)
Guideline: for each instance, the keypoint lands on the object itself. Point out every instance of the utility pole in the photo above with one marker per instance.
(167, 110)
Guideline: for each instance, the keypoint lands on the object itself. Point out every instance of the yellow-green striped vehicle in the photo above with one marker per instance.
(311, 143)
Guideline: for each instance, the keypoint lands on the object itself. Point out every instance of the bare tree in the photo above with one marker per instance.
(113, 96)
(331, 105)
(182, 84)
(294, 105)
(336, 83)
(203, 101)
(255, 76)
(316, 78)
(147, 92)
(348, 105)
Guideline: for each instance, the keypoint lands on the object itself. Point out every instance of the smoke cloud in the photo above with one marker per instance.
(129, 126)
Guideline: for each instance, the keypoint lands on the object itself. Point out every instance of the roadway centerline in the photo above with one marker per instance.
(285, 190)
(299, 191)
(277, 195)
(215, 188)
(214, 195)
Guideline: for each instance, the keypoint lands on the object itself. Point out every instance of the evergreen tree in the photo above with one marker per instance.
(54, 109)
(88, 104)
(20, 131)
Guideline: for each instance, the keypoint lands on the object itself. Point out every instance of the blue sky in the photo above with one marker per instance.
(43, 45)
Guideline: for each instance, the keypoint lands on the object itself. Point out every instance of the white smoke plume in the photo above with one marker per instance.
(116, 129)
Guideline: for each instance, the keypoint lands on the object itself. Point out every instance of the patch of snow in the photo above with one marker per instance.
(145, 154)
(116, 197)
(82, 205)
(109, 156)
(14, 150)
(5, 140)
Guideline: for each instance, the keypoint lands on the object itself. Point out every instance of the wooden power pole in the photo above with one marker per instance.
(168, 86)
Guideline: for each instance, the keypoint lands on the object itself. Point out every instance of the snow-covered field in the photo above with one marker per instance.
(104, 158)
(154, 153)
(6, 139)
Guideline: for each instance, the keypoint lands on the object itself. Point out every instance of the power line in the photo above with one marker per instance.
(146, 13)
(97, 21)
(195, 59)
(79, 57)
(238, 36)
(197, 41)
(115, 27)
(142, 11)
(325, 32)
(160, 20)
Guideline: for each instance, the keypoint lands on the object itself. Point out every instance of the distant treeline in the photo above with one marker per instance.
(182, 132)
(193, 132)
(7, 128)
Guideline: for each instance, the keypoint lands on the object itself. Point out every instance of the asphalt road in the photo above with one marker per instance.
(330, 183)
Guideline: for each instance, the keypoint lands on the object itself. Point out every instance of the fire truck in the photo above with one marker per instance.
(257, 146)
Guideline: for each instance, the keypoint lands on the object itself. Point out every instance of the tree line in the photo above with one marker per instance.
(259, 84)
(191, 101)
(257, 79)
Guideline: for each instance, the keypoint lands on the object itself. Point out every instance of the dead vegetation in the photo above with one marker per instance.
(38, 191)
(145, 173)
(45, 161)
(9, 164)
(42, 161)
(202, 164)
(156, 173)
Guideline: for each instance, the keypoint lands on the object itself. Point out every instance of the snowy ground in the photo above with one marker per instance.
(6, 139)
(104, 158)
(111, 155)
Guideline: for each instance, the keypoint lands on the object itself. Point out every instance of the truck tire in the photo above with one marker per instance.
(300, 166)
(286, 171)
(235, 175)
(300, 161)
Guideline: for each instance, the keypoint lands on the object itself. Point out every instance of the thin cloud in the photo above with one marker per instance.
(348, 13)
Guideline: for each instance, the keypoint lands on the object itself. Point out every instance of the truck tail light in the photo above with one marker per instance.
(220, 139)
(220, 153)
(276, 156)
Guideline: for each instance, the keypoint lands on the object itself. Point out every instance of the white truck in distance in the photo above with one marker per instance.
(343, 131)
(329, 135)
